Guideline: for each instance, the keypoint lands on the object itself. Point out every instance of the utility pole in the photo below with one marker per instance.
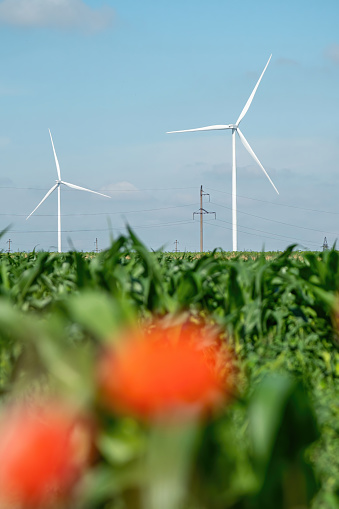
(176, 246)
(325, 245)
(201, 212)
(9, 245)
(96, 245)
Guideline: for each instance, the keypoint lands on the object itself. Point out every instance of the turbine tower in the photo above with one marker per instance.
(235, 129)
(57, 186)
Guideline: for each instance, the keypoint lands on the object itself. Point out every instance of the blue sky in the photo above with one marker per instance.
(110, 78)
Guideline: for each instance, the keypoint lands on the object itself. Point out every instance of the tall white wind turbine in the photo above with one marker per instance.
(57, 186)
(235, 128)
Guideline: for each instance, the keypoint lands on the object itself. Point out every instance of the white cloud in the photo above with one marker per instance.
(332, 53)
(4, 141)
(7, 91)
(287, 62)
(123, 191)
(4, 181)
(55, 13)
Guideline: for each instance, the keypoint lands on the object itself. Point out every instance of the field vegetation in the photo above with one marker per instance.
(272, 318)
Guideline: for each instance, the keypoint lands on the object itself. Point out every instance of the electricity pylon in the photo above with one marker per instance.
(201, 212)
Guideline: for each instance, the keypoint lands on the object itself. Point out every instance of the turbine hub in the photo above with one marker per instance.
(233, 126)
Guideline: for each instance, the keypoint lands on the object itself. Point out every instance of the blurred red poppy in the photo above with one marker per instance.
(42, 455)
(164, 372)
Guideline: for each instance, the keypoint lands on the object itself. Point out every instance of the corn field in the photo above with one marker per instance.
(259, 429)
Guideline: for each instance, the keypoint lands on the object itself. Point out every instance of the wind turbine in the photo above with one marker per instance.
(235, 129)
(57, 186)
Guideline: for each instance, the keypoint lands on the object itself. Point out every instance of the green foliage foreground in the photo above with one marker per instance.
(275, 445)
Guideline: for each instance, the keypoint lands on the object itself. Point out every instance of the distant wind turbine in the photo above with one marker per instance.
(57, 186)
(235, 128)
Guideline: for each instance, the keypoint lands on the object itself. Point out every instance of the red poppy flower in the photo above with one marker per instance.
(42, 455)
(162, 372)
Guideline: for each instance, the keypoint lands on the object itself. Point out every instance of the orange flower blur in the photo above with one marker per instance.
(40, 459)
(164, 372)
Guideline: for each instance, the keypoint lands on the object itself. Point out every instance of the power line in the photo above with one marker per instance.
(107, 190)
(270, 235)
(100, 213)
(274, 203)
(275, 220)
(264, 231)
(257, 235)
(174, 223)
(182, 188)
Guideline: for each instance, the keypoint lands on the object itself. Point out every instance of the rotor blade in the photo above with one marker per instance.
(73, 186)
(250, 99)
(44, 198)
(208, 128)
(55, 156)
(250, 150)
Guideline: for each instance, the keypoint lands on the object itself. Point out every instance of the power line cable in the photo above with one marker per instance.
(274, 203)
(107, 190)
(100, 213)
(275, 220)
(183, 188)
(257, 235)
(174, 223)
(269, 233)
